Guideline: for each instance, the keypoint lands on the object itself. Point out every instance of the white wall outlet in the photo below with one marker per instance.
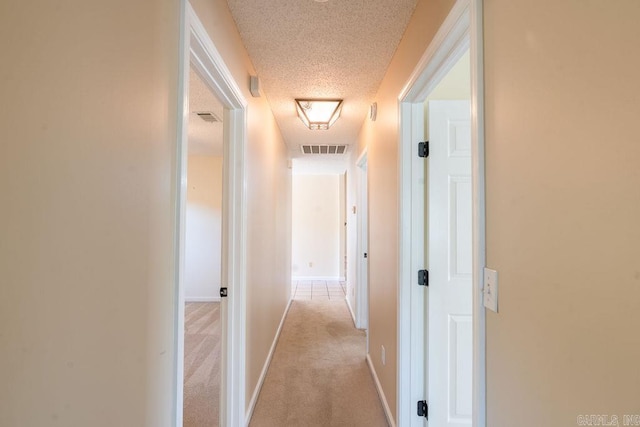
(383, 356)
(490, 290)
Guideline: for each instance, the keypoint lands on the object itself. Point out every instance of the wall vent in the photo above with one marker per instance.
(323, 149)
(208, 116)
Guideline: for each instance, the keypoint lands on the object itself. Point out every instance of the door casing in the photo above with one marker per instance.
(362, 290)
(461, 30)
(197, 50)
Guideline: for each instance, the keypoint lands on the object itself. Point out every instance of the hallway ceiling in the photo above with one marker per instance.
(321, 49)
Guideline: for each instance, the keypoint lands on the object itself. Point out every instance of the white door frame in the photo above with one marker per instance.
(362, 274)
(461, 30)
(198, 51)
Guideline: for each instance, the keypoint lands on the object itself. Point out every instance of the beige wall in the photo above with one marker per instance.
(268, 197)
(563, 198)
(381, 138)
(87, 174)
(563, 209)
(316, 235)
(203, 229)
(87, 161)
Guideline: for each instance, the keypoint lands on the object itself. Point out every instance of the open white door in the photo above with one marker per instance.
(448, 394)
(450, 293)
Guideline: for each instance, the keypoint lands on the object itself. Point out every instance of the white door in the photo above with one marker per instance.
(449, 300)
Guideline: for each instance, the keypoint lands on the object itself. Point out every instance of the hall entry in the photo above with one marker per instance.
(203, 257)
(318, 233)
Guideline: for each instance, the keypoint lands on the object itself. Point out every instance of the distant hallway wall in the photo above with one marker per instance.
(316, 226)
(203, 237)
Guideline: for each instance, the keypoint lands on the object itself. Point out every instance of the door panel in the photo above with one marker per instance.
(449, 336)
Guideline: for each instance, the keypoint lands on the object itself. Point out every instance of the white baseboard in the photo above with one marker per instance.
(202, 299)
(265, 368)
(333, 278)
(383, 399)
(353, 316)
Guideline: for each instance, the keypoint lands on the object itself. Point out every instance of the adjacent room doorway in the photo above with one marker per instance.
(201, 61)
(203, 256)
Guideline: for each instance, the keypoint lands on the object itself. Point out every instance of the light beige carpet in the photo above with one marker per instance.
(319, 375)
(201, 364)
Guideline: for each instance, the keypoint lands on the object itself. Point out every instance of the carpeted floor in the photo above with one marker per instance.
(201, 364)
(318, 375)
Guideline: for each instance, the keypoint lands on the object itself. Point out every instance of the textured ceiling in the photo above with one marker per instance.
(311, 49)
(205, 139)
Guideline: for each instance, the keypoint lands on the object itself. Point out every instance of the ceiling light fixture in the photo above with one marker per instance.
(319, 114)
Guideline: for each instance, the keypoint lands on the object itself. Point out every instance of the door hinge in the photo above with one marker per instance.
(223, 292)
(423, 277)
(423, 149)
(423, 409)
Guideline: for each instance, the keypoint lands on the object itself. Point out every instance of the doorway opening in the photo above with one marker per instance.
(442, 215)
(318, 230)
(203, 256)
(201, 63)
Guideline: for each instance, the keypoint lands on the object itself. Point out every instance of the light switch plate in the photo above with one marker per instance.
(490, 290)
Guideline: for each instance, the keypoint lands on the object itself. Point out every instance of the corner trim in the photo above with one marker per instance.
(383, 398)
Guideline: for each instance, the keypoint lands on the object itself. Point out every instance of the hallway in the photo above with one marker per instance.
(319, 375)
(93, 173)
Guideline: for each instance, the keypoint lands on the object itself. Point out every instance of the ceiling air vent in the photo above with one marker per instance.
(323, 149)
(208, 116)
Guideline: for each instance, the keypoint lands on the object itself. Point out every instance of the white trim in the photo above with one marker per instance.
(461, 30)
(198, 51)
(180, 212)
(383, 398)
(265, 368)
(479, 211)
(362, 243)
(411, 316)
(311, 278)
(447, 46)
(353, 316)
(202, 299)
